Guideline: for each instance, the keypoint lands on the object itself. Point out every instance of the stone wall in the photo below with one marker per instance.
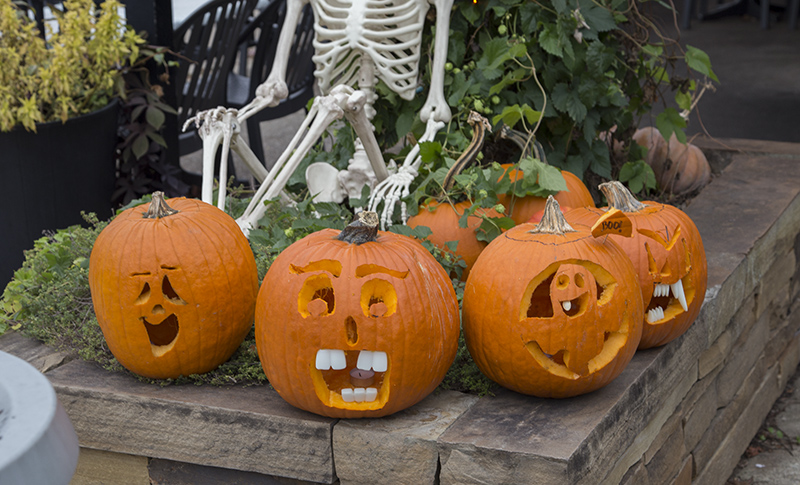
(682, 413)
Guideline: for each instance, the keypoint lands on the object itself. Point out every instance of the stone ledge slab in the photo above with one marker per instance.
(250, 429)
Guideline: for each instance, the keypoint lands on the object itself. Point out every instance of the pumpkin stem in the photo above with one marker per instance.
(158, 207)
(364, 228)
(553, 221)
(619, 197)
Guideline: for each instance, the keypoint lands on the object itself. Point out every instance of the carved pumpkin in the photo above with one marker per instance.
(442, 219)
(524, 208)
(357, 323)
(174, 288)
(551, 310)
(668, 254)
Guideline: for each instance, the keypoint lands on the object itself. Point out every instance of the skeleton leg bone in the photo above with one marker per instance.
(324, 111)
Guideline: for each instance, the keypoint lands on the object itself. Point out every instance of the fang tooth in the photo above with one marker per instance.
(677, 290)
(365, 360)
(371, 394)
(338, 359)
(323, 359)
(348, 395)
(567, 305)
(359, 393)
(380, 362)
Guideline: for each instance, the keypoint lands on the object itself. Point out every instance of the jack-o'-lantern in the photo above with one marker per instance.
(552, 310)
(668, 253)
(356, 323)
(173, 287)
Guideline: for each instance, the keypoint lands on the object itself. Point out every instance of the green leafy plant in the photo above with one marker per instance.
(65, 72)
(576, 75)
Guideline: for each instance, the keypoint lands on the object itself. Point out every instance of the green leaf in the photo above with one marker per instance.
(599, 18)
(567, 100)
(140, 146)
(670, 121)
(511, 115)
(551, 179)
(431, 152)
(638, 175)
(550, 42)
(700, 62)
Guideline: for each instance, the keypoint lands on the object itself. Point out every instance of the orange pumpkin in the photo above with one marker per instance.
(668, 254)
(442, 219)
(357, 323)
(550, 310)
(174, 288)
(524, 208)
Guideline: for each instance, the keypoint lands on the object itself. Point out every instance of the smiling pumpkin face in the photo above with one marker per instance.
(356, 330)
(175, 294)
(564, 316)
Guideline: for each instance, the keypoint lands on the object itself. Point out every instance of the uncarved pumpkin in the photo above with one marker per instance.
(356, 323)
(551, 311)
(679, 168)
(668, 254)
(522, 209)
(173, 286)
(442, 219)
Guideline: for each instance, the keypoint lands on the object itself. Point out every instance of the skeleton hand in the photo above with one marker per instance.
(220, 119)
(390, 192)
(268, 94)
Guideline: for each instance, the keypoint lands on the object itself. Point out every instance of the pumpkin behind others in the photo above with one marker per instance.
(173, 286)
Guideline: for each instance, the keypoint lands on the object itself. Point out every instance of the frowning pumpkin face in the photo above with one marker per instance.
(348, 330)
(175, 294)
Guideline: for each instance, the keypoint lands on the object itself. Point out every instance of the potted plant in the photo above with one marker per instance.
(59, 108)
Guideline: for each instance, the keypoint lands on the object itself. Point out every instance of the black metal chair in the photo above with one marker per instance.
(263, 32)
(210, 38)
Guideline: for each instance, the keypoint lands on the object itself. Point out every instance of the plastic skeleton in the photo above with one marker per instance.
(357, 43)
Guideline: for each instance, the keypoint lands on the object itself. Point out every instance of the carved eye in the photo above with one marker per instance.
(378, 298)
(316, 297)
(170, 293)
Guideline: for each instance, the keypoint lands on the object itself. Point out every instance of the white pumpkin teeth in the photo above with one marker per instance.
(380, 362)
(338, 359)
(677, 290)
(364, 360)
(348, 395)
(661, 290)
(566, 305)
(359, 394)
(323, 359)
(655, 314)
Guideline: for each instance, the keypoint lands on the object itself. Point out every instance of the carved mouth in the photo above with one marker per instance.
(163, 334)
(351, 379)
(669, 301)
(575, 306)
(557, 364)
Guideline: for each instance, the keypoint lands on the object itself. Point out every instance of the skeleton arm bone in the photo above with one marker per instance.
(436, 106)
(274, 89)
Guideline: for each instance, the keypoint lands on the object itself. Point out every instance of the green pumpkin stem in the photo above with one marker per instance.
(364, 228)
(619, 197)
(553, 221)
(158, 207)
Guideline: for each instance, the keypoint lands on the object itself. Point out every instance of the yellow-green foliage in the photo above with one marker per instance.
(76, 71)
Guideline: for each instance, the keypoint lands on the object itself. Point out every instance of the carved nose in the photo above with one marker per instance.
(158, 310)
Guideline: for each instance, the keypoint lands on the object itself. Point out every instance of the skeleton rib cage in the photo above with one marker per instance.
(387, 32)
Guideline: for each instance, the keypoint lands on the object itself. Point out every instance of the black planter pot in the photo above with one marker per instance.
(47, 178)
